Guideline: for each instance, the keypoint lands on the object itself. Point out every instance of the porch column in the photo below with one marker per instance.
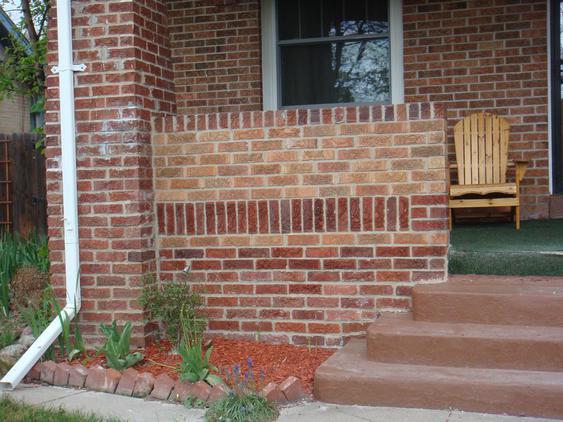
(128, 80)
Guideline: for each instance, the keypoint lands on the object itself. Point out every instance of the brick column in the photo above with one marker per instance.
(128, 80)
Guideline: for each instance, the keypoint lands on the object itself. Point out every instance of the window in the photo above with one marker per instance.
(319, 52)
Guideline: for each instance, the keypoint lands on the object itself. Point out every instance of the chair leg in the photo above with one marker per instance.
(517, 209)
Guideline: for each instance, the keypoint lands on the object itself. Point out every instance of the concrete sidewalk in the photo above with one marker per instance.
(138, 410)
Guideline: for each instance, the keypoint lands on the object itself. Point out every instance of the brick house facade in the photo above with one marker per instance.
(298, 224)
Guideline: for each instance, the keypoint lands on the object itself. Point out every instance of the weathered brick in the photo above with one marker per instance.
(127, 382)
(62, 373)
(273, 393)
(163, 386)
(292, 389)
(102, 379)
(144, 384)
(48, 372)
(218, 392)
(77, 376)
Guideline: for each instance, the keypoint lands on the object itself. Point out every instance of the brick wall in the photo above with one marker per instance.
(472, 55)
(475, 55)
(216, 54)
(128, 80)
(301, 225)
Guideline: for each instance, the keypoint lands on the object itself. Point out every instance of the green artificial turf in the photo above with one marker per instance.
(497, 248)
(13, 411)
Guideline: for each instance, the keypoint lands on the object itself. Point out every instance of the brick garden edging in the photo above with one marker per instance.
(132, 383)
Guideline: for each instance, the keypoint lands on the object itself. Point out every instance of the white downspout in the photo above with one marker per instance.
(66, 70)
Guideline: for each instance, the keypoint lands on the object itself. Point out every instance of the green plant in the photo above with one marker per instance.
(195, 364)
(242, 408)
(8, 332)
(39, 317)
(117, 349)
(15, 411)
(68, 348)
(191, 326)
(173, 304)
(193, 402)
(15, 253)
(8, 265)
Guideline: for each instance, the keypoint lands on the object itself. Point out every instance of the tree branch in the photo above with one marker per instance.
(28, 19)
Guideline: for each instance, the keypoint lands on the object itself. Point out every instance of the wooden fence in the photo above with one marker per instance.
(23, 207)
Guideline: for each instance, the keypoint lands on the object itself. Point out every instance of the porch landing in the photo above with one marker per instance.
(496, 248)
(476, 343)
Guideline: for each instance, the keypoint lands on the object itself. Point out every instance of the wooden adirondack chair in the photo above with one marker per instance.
(481, 149)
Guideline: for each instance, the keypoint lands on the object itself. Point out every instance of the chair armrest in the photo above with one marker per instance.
(521, 167)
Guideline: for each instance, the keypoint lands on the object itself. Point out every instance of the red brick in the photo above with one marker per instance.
(355, 215)
(252, 218)
(273, 393)
(101, 379)
(292, 389)
(77, 376)
(307, 215)
(319, 215)
(62, 372)
(34, 373)
(48, 372)
(127, 382)
(218, 392)
(143, 385)
(163, 386)
(330, 215)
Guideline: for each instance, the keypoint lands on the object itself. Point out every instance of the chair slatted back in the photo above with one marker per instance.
(481, 149)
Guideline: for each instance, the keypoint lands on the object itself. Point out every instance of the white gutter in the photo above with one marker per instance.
(66, 71)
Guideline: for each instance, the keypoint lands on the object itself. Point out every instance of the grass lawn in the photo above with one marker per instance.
(13, 411)
(497, 248)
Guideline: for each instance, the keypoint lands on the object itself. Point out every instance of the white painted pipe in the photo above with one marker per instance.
(66, 71)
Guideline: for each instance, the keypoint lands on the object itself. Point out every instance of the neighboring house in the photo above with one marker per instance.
(259, 147)
(15, 111)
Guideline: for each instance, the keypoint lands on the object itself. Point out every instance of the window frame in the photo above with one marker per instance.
(271, 64)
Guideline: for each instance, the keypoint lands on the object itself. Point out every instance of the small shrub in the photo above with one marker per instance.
(242, 408)
(167, 302)
(27, 287)
(117, 348)
(195, 365)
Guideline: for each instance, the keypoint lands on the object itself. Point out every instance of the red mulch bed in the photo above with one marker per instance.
(275, 361)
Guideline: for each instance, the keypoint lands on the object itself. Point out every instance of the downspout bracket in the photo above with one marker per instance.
(74, 68)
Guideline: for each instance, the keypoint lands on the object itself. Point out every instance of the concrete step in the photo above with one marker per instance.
(398, 338)
(348, 377)
(499, 300)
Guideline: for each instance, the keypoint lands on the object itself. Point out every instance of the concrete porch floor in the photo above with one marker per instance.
(137, 410)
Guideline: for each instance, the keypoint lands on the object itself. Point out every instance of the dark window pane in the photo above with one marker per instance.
(378, 16)
(354, 17)
(342, 72)
(310, 18)
(332, 17)
(288, 19)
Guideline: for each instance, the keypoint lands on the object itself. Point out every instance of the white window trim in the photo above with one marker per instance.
(270, 79)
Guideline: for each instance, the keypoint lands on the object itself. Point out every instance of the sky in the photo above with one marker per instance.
(11, 7)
